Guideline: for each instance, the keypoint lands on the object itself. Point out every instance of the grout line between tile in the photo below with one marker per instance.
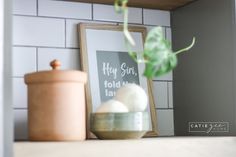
(17, 108)
(51, 17)
(168, 95)
(37, 7)
(45, 47)
(142, 17)
(173, 118)
(92, 12)
(65, 33)
(37, 59)
(85, 19)
(165, 33)
(162, 80)
(164, 108)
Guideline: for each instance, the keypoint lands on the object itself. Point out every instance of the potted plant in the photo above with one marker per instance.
(120, 118)
(158, 56)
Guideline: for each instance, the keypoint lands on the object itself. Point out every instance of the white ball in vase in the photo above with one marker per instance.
(112, 106)
(133, 96)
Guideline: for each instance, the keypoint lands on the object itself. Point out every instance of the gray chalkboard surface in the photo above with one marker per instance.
(114, 70)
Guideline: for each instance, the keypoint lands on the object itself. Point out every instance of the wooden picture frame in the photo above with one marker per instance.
(95, 41)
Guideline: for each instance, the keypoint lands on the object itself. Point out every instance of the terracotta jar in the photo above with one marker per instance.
(56, 104)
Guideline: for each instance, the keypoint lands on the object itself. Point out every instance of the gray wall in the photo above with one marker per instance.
(204, 81)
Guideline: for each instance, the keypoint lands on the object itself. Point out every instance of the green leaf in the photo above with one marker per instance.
(158, 56)
(158, 53)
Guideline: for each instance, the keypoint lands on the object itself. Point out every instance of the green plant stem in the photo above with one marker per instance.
(125, 27)
(187, 48)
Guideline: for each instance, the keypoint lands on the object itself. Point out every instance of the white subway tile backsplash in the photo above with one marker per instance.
(44, 30)
(20, 124)
(19, 93)
(107, 13)
(25, 7)
(36, 31)
(160, 94)
(156, 17)
(72, 34)
(170, 94)
(69, 58)
(165, 122)
(23, 60)
(64, 9)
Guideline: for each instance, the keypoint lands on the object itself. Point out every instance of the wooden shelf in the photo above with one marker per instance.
(152, 4)
(153, 147)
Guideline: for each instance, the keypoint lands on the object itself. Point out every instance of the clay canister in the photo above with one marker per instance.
(56, 104)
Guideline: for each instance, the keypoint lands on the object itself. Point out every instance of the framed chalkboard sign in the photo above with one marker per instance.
(105, 58)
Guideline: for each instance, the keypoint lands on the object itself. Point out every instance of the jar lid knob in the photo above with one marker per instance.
(55, 64)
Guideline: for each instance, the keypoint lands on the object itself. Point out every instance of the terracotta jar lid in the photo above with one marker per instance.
(56, 75)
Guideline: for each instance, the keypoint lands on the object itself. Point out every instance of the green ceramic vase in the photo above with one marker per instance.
(131, 125)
